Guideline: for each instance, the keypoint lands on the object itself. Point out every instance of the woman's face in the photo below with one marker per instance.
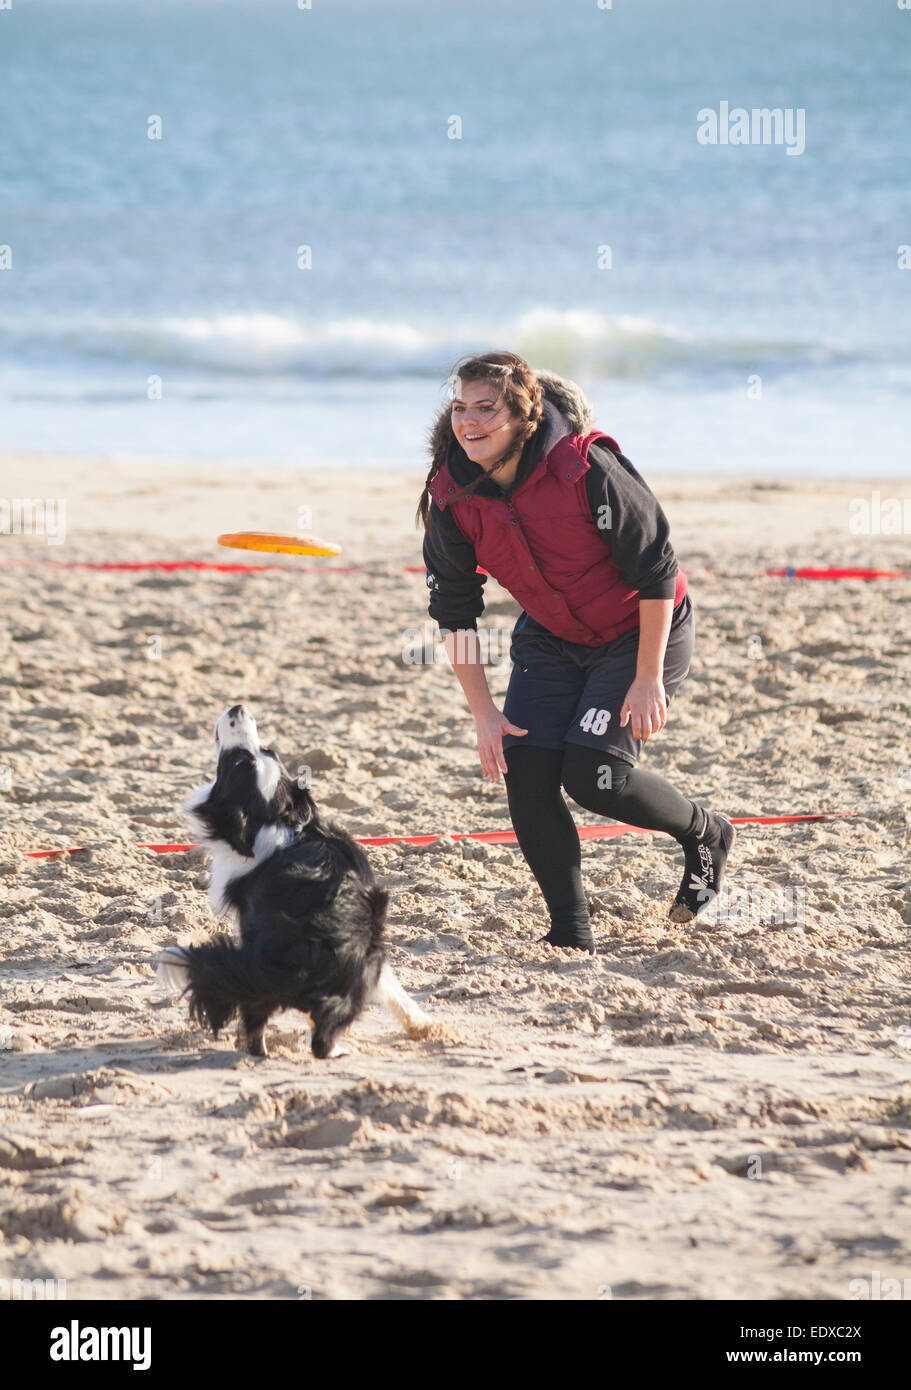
(481, 422)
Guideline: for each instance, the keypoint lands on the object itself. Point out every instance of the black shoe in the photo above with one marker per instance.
(705, 855)
(579, 940)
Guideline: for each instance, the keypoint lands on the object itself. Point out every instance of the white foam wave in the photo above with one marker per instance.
(574, 341)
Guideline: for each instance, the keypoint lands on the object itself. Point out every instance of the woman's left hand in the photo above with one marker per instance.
(646, 706)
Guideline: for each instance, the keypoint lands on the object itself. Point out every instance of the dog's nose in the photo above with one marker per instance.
(236, 712)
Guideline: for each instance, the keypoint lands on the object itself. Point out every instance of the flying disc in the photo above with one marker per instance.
(280, 545)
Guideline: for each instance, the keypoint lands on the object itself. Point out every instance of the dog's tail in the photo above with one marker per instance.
(172, 970)
(218, 979)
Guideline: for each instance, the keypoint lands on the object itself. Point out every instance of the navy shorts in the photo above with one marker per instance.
(564, 692)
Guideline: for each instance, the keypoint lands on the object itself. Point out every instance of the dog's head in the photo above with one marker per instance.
(252, 790)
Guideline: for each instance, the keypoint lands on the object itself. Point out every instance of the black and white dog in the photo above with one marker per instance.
(309, 910)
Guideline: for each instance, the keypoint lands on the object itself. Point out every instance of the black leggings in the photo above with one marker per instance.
(544, 825)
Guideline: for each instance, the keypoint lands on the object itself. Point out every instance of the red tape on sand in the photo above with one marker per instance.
(170, 565)
(491, 837)
(838, 574)
(590, 832)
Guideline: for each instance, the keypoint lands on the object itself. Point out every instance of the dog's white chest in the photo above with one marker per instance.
(227, 865)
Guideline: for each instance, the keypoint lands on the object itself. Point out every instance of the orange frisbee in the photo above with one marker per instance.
(280, 545)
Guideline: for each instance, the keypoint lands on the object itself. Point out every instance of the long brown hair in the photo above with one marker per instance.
(518, 388)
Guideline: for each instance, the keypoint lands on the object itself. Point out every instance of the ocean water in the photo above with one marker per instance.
(751, 315)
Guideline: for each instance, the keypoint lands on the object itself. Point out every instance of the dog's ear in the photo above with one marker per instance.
(299, 808)
(227, 810)
(227, 821)
(212, 815)
(305, 808)
(232, 826)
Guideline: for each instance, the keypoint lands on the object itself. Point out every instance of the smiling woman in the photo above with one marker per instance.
(523, 486)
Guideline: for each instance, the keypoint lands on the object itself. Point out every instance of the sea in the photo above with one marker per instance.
(246, 232)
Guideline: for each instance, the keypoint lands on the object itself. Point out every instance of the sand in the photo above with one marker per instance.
(712, 1111)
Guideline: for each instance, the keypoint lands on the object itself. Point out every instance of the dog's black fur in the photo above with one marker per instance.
(311, 914)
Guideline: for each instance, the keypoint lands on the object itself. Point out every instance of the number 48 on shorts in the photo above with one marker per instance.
(595, 721)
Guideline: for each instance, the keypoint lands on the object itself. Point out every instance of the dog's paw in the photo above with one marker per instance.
(431, 1030)
(339, 1051)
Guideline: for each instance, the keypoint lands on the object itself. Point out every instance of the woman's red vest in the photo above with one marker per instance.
(543, 546)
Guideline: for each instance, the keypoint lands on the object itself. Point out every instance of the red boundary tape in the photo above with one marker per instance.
(169, 565)
(838, 574)
(492, 837)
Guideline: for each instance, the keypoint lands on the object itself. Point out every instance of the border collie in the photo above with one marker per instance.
(309, 910)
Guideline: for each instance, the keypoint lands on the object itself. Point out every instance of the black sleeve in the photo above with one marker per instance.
(456, 597)
(629, 516)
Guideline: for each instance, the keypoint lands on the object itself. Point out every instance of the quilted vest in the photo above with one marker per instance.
(542, 545)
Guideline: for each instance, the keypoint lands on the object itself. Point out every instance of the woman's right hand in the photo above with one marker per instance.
(491, 726)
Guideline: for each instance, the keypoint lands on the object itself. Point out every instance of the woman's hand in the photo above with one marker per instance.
(491, 726)
(646, 706)
(465, 657)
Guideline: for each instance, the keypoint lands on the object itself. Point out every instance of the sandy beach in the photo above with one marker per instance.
(713, 1111)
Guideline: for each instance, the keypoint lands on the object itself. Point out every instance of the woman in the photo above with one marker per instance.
(521, 485)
